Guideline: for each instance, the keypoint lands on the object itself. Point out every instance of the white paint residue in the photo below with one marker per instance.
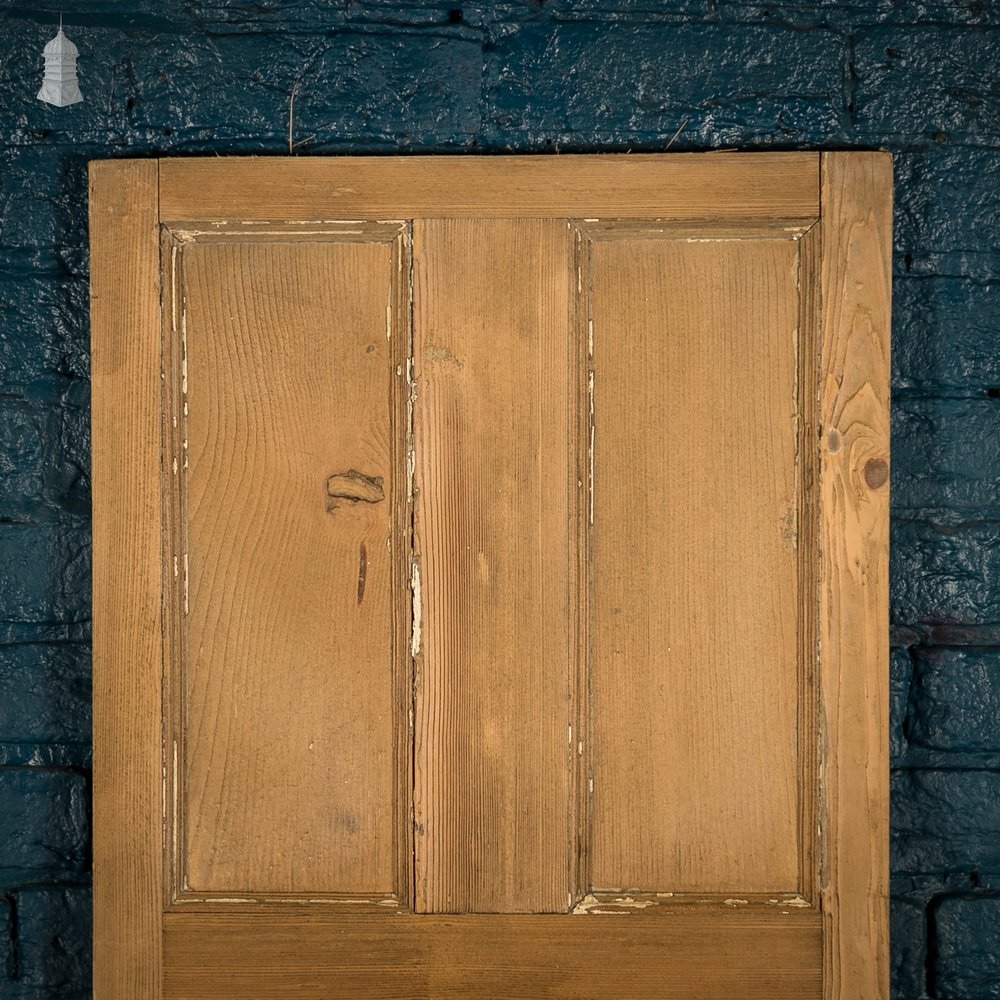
(415, 588)
(591, 457)
(590, 902)
(411, 399)
(175, 781)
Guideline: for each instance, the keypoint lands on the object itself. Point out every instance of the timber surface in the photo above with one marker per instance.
(720, 957)
(125, 415)
(287, 778)
(854, 588)
(645, 185)
(492, 796)
(695, 590)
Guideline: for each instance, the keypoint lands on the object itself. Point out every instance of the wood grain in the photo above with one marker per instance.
(493, 695)
(853, 598)
(290, 564)
(125, 423)
(647, 185)
(695, 589)
(685, 957)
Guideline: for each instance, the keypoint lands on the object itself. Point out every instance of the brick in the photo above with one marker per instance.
(53, 938)
(945, 821)
(44, 827)
(43, 320)
(41, 203)
(614, 81)
(920, 81)
(946, 200)
(849, 13)
(900, 671)
(941, 575)
(945, 457)
(44, 573)
(966, 960)
(45, 693)
(22, 458)
(44, 450)
(957, 700)
(944, 334)
(396, 86)
(908, 933)
(6, 941)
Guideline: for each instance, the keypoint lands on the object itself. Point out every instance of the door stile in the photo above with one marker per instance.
(855, 272)
(127, 643)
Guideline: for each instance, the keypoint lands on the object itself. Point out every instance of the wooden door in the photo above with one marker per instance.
(490, 576)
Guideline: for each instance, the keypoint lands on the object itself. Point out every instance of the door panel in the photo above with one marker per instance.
(493, 796)
(286, 562)
(695, 624)
(491, 601)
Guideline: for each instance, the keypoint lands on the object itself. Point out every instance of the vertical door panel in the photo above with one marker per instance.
(493, 678)
(695, 613)
(285, 565)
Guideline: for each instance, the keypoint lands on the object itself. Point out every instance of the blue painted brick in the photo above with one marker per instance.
(957, 700)
(966, 959)
(945, 333)
(45, 693)
(44, 573)
(900, 672)
(6, 942)
(908, 933)
(920, 81)
(43, 320)
(43, 824)
(22, 457)
(947, 201)
(945, 821)
(44, 453)
(618, 81)
(40, 203)
(53, 940)
(399, 86)
(946, 458)
(942, 575)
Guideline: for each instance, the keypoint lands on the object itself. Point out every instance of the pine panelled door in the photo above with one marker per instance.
(490, 576)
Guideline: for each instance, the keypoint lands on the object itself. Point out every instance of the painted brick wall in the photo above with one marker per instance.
(918, 77)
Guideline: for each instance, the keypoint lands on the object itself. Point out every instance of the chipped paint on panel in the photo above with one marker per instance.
(591, 452)
(417, 610)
